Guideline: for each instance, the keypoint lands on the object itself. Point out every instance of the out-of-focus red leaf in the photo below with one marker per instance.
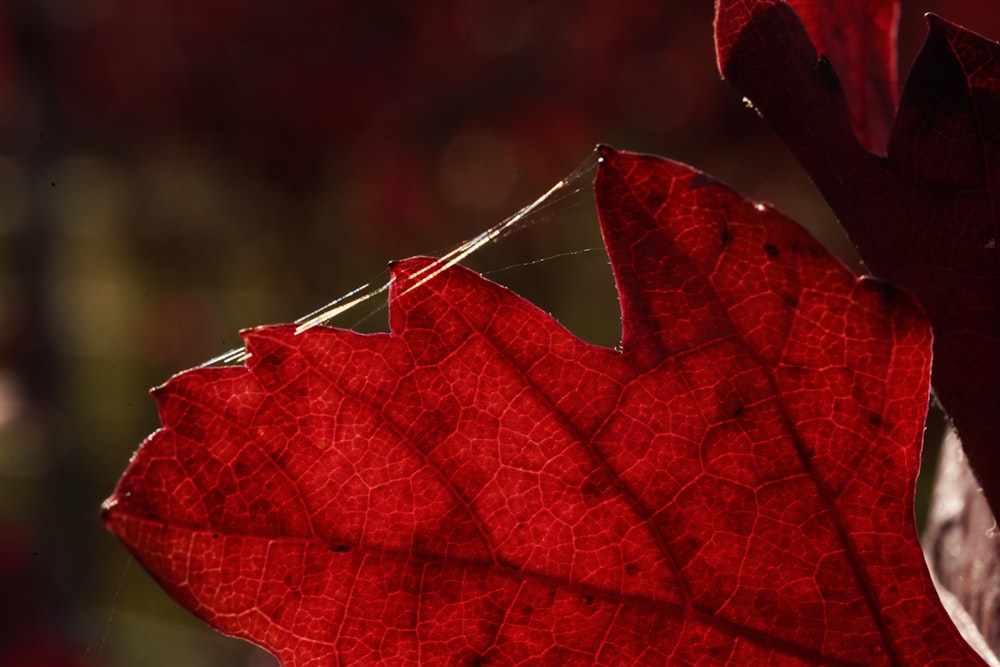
(924, 217)
(859, 39)
(479, 486)
(304, 90)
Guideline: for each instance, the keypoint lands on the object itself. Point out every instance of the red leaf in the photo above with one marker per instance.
(859, 39)
(481, 487)
(926, 216)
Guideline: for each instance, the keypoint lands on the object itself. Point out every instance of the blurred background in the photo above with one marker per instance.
(172, 172)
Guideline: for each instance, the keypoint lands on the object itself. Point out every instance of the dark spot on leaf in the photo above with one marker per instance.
(261, 507)
(701, 180)
(691, 544)
(726, 236)
(739, 410)
(801, 446)
(875, 419)
(340, 548)
(215, 536)
(655, 200)
(589, 488)
(215, 498)
(771, 249)
(588, 599)
(886, 291)
(632, 569)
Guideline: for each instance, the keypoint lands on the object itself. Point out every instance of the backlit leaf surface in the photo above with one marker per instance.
(925, 216)
(479, 486)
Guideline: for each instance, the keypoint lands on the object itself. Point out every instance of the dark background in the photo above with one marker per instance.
(171, 172)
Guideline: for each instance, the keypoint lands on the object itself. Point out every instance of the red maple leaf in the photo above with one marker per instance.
(479, 486)
(925, 216)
